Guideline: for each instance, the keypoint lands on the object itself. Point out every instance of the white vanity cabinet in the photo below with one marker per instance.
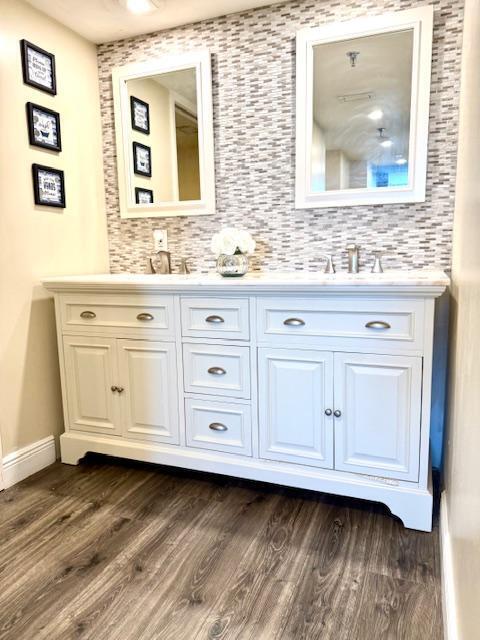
(314, 381)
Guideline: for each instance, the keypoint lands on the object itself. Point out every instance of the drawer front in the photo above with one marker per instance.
(220, 426)
(217, 370)
(118, 312)
(215, 318)
(396, 323)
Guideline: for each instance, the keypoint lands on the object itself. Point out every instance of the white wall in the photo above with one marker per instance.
(38, 241)
(462, 479)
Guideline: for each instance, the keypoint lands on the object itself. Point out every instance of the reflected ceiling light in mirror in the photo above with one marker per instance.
(383, 139)
(376, 114)
(401, 160)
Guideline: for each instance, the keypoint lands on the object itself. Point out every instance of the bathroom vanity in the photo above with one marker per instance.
(308, 380)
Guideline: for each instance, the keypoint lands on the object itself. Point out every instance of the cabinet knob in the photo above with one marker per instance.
(145, 317)
(217, 426)
(215, 319)
(337, 413)
(88, 315)
(294, 322)
(114, 388)
(377, 324)
(217, 371)
(328, 412)
(120, 389)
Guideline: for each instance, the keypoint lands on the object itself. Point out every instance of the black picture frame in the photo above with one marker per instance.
(139, 191)
(133, 112)
(138, 168)
(58, 176)
(28, 78)
(38, 135)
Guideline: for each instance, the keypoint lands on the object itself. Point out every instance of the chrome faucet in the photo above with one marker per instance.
(353, 258)
(329, 266)
(162, 263)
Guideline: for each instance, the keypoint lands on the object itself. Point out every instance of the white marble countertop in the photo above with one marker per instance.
(424, 281)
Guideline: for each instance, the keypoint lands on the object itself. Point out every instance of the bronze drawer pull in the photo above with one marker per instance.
(88, 315)
(217, 426)
(215, 319)
(377, 324)
(145, 317)
(294, 322)
(217, 371)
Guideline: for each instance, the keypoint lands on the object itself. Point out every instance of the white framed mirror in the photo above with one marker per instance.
(164, 136)
(362, 110)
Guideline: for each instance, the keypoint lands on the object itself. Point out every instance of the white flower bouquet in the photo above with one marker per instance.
(230, 241)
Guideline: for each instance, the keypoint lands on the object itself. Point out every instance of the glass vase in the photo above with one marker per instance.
(232, 266)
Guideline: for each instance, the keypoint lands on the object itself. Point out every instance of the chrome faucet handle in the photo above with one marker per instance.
(377, 262)
(184, 269)
(329, 267)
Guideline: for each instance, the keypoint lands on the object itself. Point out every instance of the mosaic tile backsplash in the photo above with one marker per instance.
(253, 66)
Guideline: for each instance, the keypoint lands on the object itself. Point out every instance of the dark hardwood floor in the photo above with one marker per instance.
(112, 550)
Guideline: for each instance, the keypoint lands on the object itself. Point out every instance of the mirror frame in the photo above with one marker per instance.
(421, 22)
(200, 61)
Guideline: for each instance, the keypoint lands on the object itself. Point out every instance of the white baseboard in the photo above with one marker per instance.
(20, 464)
(450, 624)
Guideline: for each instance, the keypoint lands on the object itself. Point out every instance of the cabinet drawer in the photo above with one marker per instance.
(219, 426)
(118, 312)
(216, 369)
(396, 323)
(215, 318)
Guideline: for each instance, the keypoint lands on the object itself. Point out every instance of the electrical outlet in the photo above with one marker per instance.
(160, 240)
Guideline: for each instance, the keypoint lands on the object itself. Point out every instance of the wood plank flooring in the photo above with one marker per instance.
(114, 550)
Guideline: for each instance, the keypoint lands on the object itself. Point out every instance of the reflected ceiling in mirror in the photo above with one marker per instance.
(361, 112)
(362, 109)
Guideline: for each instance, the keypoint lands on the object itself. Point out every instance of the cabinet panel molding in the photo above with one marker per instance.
(379, 398)
(296, 391)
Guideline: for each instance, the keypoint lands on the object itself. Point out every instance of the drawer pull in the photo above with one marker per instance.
(215, 319)
(217, 426)
(294, 322)
(145, 317)
(377, 324)
(88, 315)
(217, 371)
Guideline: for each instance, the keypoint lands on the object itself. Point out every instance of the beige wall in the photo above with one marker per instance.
(462, 480)
(38, 241)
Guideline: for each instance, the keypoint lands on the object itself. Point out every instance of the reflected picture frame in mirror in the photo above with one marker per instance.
(138, 191)
(418, 24)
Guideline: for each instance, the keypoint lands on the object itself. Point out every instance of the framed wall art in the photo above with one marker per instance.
(143, 196)
(142, 159)
(48, 186)
(140, 115)
(43, 127)
(38, 67)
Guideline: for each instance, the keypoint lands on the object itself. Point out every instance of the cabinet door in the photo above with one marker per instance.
(90, 369)
(295, 390)
(379, 397)
(148, 377)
